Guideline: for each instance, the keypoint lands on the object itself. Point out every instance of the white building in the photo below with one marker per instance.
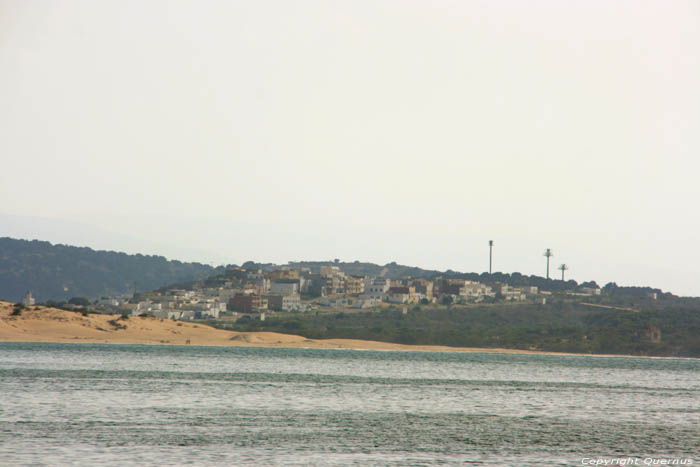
(180, 293)
(284, 288)
(398, 297)
(476, 290)
(593, 291)
(378, 285)
(28, 299)
(376, 288)
(335, 302)
(108, 301)
(284, 302)
(512, 293)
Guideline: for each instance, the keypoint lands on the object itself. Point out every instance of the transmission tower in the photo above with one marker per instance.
(548, 253)
(490, 254)
(563, 268)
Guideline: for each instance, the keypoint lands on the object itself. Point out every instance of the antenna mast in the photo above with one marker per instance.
(490, 254)
(548, 253)
(563, 268)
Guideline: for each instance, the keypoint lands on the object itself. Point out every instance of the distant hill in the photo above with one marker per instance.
(59, 272)
(390, 270)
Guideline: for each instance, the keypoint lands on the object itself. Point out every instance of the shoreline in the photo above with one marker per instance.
(409, 348)
(51, 325)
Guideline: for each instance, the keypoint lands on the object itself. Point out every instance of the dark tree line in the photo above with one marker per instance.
(59, 272)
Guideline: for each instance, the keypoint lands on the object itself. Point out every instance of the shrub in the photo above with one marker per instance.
(116, 324)
(79, 301)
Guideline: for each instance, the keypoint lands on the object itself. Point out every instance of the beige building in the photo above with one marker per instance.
(354, 285)
(424, 288)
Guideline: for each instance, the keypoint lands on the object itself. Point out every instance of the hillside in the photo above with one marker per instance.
(58, 272)
(564, 324)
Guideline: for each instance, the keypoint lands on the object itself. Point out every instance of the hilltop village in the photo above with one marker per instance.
(410, 306)
(244, 292)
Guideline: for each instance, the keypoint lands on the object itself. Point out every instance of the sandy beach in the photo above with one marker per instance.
(44, 324)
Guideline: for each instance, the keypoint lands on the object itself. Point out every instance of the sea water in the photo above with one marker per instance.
(128, 405)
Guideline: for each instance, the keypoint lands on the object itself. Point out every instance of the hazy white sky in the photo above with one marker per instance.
(408, 131)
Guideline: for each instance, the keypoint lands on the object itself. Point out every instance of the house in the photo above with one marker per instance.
(181, 294)
(401, 294)
(143, 307)
(336, 302)
(247, 303)
(227, 294)
(397, 297)
(284, 288)
(376, 289)
(510, 293)
(451, 286)
(332, 281)
(28, 299)
(378, 285)
(466, 289)
(107, 301)
(283, 302)
(354, 285)
(259, 282)
(424, 287)
(476, 290)
(590, 290)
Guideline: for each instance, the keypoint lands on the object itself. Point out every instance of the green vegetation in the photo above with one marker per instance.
(17, 309)
(79, 301)
(563, 325)
(116, 324)
(58, 272)
(391, 270)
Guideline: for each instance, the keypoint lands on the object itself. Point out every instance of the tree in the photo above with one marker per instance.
(17, 309)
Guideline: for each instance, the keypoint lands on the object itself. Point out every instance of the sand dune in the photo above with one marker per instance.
(44, 324)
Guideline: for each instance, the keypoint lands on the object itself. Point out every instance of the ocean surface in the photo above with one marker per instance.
(129, 405)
